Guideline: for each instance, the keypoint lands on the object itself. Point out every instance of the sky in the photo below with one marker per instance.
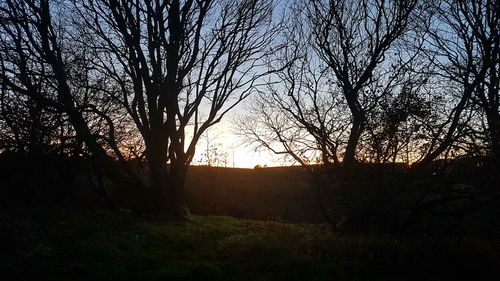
(222, 135)
(239, 153)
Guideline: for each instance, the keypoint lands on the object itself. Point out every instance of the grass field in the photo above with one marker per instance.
(58, 244)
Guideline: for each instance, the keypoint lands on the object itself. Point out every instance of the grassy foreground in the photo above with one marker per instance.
(56, 245)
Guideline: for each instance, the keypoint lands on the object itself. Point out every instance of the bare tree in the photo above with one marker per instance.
(354, 38)
(342, 60)
(399, 127)
(181, 66)
(296, 116)
(27, 127)
(346, 77)
(38, 63)
(464, 47)
(166, 70)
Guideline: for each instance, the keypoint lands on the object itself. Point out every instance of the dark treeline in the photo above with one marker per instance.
(125, 89)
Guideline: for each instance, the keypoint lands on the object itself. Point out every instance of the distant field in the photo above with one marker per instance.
(267, 193)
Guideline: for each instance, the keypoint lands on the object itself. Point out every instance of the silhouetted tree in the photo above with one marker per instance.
(38, 64)
(463, 44)
(167, 70)
(340, 60)
(180, 66)
(397, 129)
(353, 38)
(26, 126)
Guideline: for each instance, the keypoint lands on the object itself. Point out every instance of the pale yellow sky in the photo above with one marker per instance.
(243, 156)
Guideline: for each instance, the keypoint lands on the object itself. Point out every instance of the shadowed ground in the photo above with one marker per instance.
(58, 244)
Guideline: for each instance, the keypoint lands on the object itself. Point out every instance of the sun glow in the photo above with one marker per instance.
(222, 148)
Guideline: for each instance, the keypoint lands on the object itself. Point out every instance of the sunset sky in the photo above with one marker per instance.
(244, 155)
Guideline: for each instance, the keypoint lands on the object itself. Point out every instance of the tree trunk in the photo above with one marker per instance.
(177, 191)
(350, 151)
(493, 118)
(157, 170)
(166, 183)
